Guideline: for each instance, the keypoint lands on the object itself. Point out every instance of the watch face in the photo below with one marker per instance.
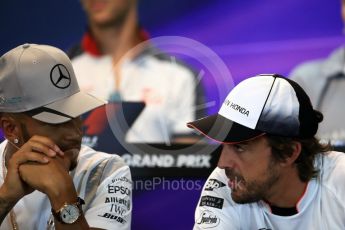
(69, 213)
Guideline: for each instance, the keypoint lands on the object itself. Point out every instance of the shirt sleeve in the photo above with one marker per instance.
(112, 205)
(215, 207)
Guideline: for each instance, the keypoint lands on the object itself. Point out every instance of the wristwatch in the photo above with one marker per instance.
(69, 213)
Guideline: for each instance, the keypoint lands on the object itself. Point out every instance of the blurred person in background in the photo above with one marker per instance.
(324, 81)
(169, 89)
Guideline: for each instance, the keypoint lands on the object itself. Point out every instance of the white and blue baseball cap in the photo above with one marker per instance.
(264, 104)
(40, 80)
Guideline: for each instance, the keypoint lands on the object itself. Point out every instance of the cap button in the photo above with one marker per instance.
(26, 45)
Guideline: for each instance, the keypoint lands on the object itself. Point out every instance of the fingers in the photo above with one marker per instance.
(22, 158)
(25, 157)
(50, 151)
(38, 150)
(42, 145)
(50, 178)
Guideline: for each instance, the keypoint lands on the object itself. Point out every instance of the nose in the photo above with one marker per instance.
(227, 157)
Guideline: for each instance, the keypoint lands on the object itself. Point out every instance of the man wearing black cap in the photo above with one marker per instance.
(47, 179)
(272, 173)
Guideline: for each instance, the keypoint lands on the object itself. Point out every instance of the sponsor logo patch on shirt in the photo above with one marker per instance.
(211, 201)
(208, 219)
(213, 184)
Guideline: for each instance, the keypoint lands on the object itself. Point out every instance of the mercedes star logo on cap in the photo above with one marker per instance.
(60, 76)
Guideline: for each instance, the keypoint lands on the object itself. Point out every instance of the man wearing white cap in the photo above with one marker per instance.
(272, 173)
(47, 178)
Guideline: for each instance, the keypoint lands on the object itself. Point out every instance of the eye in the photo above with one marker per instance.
(239, 148)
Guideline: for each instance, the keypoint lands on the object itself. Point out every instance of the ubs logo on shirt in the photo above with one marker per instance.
(208, 220)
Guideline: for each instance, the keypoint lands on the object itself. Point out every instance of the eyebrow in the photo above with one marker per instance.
(244, 144)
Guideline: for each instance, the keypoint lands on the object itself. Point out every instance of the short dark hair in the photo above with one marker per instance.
(282, 147)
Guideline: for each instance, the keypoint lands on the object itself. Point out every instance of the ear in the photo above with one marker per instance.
(296, 151)
(10, 127)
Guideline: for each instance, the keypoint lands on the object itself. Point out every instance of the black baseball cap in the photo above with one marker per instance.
(264, 104)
